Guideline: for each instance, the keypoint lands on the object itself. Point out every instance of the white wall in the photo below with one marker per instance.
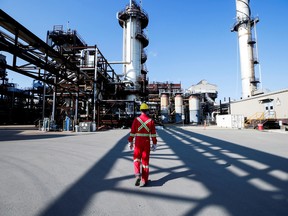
(230, 121)
(248, 107)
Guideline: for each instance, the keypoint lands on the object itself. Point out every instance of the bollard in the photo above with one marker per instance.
(260, 127)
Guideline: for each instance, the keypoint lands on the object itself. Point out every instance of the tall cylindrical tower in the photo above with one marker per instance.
(178, 108)
(164, 107)
(133, 20)
(243, 26)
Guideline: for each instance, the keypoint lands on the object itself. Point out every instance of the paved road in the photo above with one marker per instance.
(218, 172)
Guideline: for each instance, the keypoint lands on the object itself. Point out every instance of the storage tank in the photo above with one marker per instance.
(194, 109)
(164, 103)
(178, 108)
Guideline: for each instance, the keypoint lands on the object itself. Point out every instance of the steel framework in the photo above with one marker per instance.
(77, 78)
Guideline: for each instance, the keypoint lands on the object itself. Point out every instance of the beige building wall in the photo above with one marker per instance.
(273, 102)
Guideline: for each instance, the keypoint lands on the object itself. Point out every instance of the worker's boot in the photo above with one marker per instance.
(137, 181)
(143, 184)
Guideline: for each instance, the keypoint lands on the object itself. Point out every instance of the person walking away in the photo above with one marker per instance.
(143, 129)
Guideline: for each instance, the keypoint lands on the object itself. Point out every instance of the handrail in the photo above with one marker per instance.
(260, 117)
(270, 114)
(257, 115)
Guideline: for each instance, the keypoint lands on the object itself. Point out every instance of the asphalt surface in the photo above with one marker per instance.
(194, 171)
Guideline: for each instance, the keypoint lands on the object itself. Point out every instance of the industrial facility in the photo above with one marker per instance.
(256, 107)
(76, 88)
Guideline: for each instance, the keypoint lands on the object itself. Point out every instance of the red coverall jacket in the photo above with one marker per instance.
(143, 129)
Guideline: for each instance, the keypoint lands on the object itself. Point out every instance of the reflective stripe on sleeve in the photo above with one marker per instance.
(132, 134)
(147, 166)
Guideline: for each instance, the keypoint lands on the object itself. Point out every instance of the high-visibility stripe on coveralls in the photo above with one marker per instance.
(143, 124)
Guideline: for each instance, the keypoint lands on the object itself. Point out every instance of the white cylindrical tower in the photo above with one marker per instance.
(246, 43)
(133, 20)
(132, 50)
(164, 103)
(178, 108)
(194, 109)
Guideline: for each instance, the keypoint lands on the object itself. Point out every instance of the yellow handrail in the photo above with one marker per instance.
(255, 116)
(260, 117)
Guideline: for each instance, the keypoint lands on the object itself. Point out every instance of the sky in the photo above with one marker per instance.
(189, 40)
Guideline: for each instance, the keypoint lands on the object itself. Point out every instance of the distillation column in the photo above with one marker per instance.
(133, 20)
(243, 26)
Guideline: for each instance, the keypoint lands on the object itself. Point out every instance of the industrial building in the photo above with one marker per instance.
(76, 88)
(269, 108)
(75, 85)
(256, 107)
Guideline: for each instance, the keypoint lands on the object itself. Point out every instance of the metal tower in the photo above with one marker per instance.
(243, 26)
(133, 20)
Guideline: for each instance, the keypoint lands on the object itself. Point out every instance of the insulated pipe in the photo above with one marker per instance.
(243, 26)
(210, 100)
(54, 100)
(95, 89)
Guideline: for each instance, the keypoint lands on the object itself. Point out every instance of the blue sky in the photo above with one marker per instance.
(190, 40)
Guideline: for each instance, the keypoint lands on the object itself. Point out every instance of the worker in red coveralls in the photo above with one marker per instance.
(143, 128)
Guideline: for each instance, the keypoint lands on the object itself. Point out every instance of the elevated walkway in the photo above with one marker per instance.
(133, 11)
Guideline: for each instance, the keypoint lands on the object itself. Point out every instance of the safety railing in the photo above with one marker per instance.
(254, 119)
(260, 118)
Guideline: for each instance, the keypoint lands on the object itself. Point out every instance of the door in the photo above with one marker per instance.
(269, 112)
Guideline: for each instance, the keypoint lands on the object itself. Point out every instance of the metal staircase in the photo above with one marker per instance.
(267, 119)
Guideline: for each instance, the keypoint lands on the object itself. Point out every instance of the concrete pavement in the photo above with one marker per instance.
(195, 171)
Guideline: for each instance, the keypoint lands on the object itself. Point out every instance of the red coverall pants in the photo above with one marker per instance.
(142, 152)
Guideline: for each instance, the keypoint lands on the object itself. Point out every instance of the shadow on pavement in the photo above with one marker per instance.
(170, 177)
(248, 190)
(241, 180)
(14, 133)
(74, 200)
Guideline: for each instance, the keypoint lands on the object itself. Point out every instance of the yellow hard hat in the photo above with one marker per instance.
(144, 106)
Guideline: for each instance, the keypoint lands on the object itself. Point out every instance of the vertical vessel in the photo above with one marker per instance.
(164, 102)
(133, 20)
(244, 24)
(178, 108)
(194, 107)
